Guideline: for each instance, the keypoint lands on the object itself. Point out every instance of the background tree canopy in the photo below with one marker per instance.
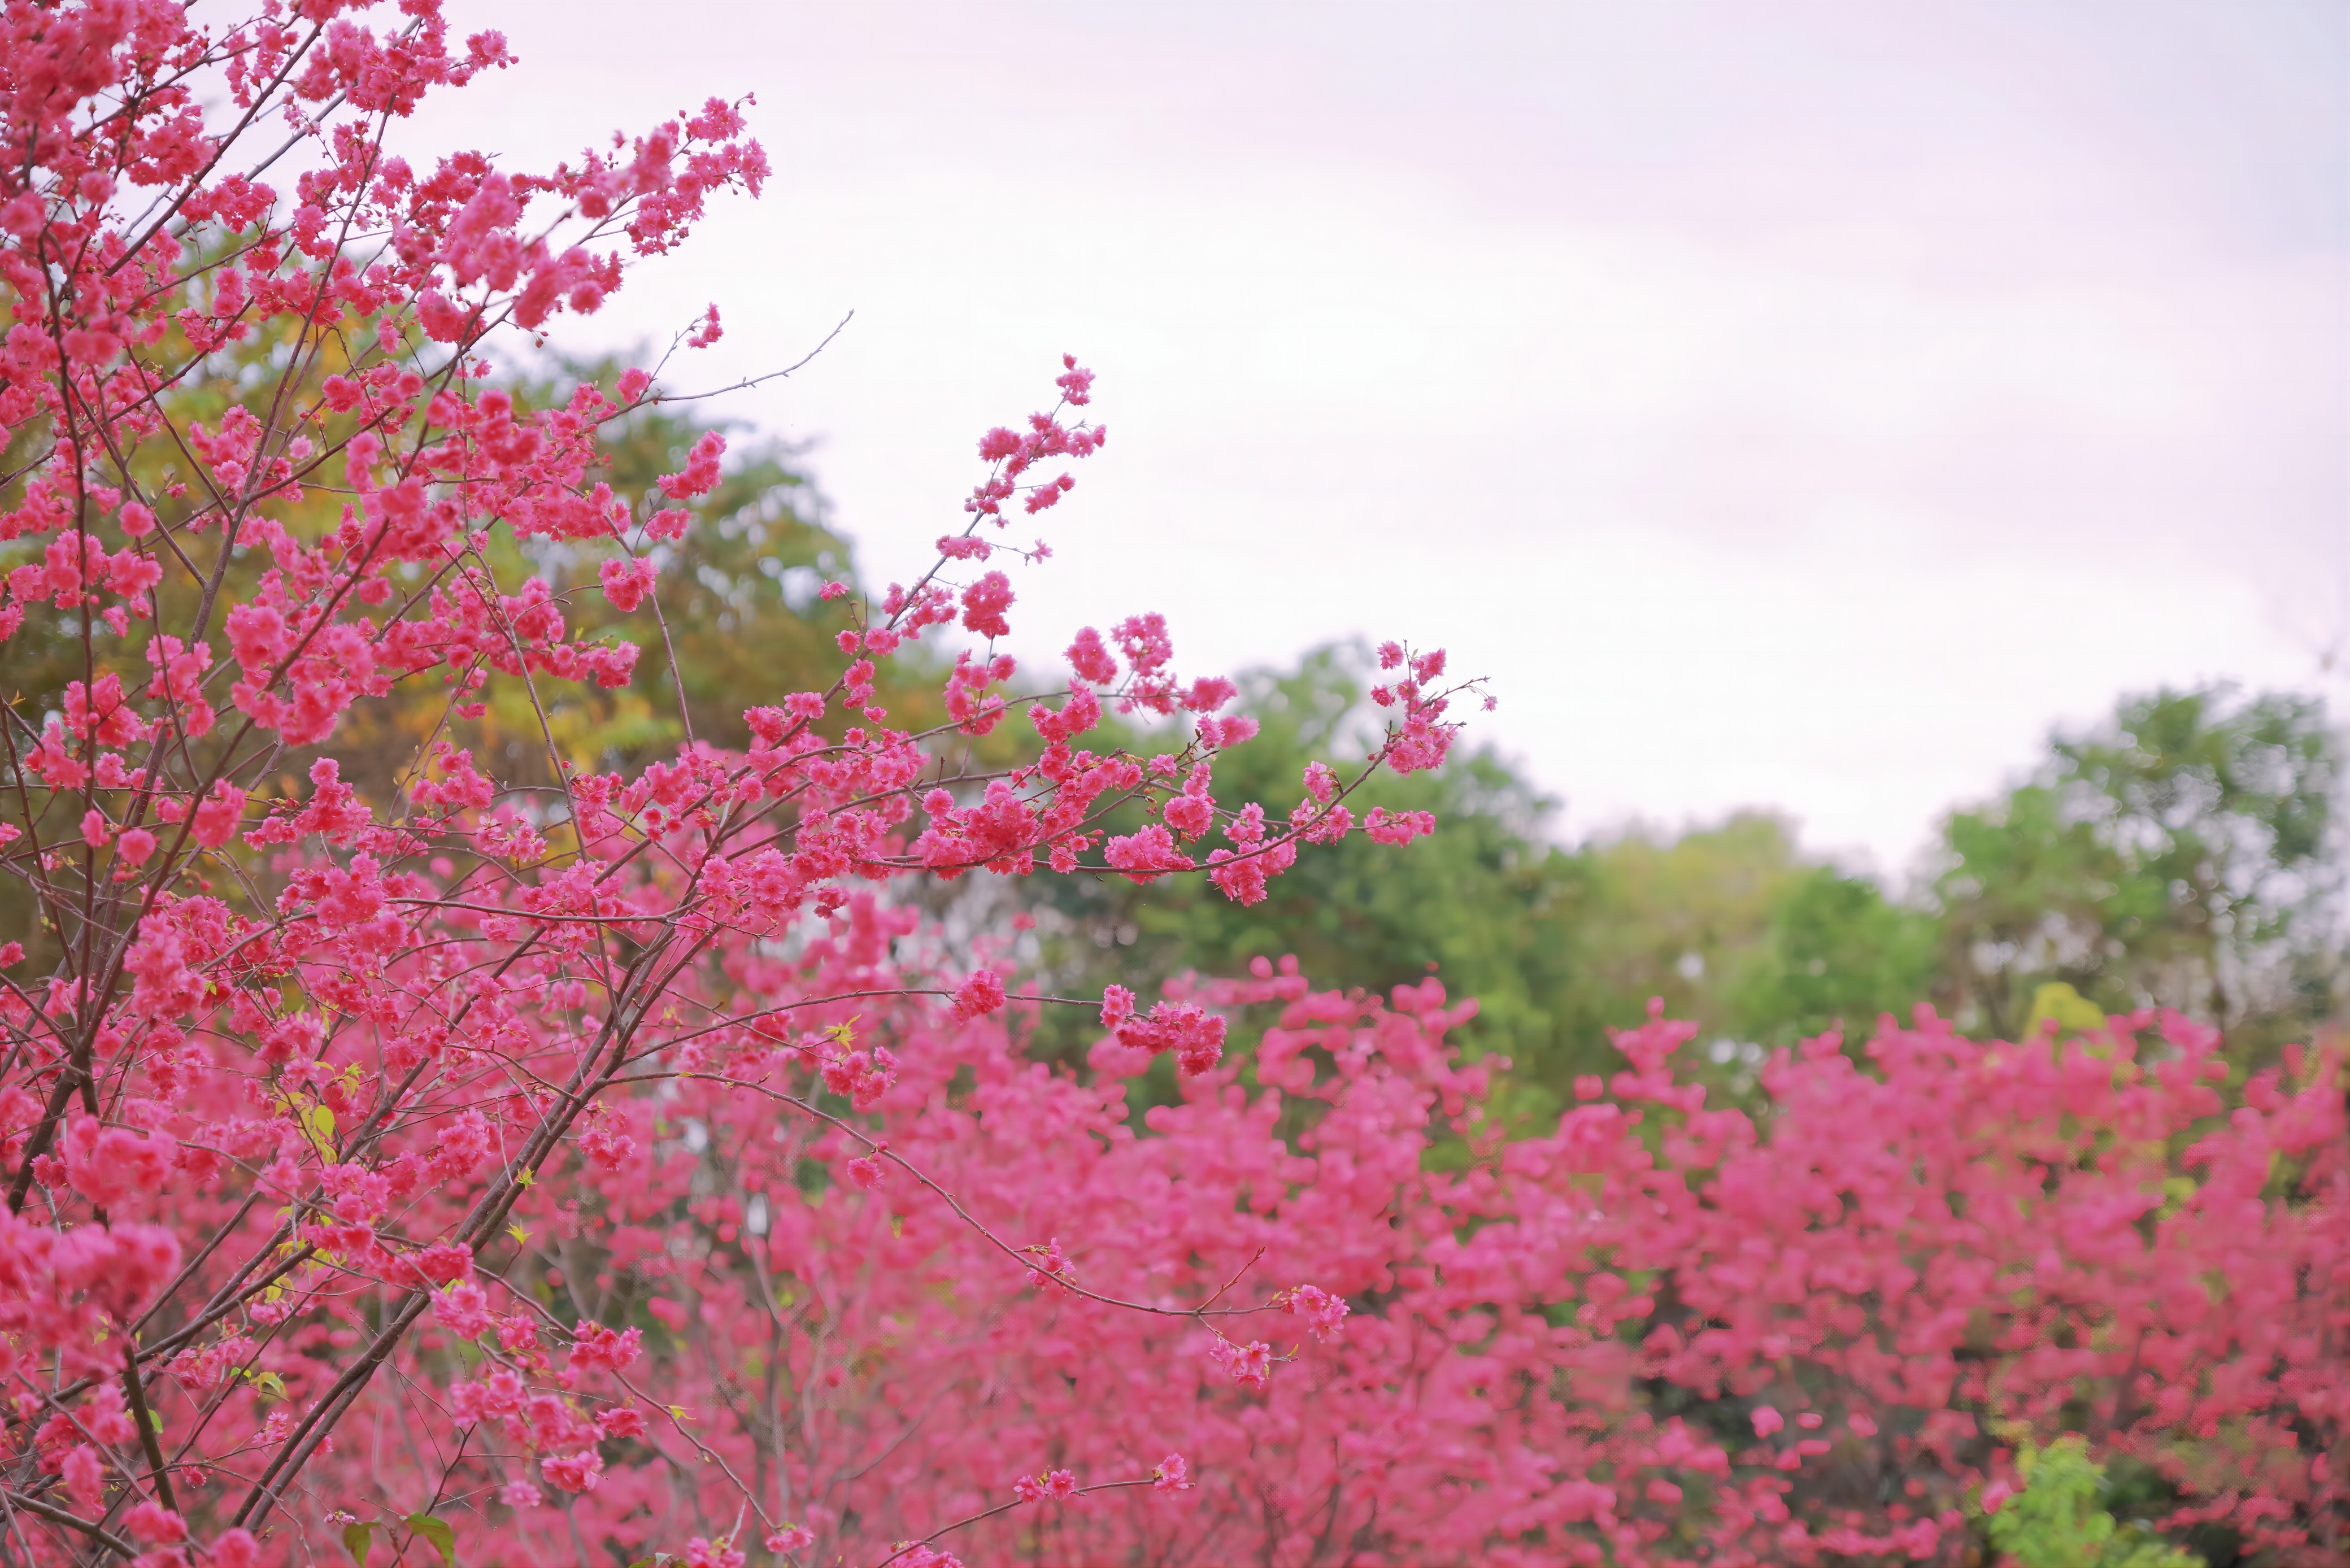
(2183, 854)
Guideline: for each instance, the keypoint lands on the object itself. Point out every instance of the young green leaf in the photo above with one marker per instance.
(443, 1538)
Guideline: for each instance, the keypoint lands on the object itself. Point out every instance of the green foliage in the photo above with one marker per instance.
(2186, 854)
(1739, 932)
(437, 1531)
(2060, 1520)
(2060, 1004)
(1841, 954)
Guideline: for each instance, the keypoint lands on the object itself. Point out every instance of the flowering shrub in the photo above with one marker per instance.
(1663, 1334)
(303, 1094)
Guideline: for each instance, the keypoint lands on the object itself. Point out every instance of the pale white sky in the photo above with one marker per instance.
(1787, 404)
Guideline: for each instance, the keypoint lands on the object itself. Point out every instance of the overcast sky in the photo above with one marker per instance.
(1797, 405)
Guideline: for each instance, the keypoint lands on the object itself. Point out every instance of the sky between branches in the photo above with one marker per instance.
(1801, 405)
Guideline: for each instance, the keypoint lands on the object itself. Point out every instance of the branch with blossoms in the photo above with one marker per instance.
(1172, 1474)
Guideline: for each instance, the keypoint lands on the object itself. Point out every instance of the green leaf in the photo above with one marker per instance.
(437, 1531)
(356, 1539)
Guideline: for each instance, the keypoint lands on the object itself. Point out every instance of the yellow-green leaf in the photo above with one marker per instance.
(318, 1122)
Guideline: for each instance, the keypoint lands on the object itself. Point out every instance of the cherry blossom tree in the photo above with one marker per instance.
(289, 1072)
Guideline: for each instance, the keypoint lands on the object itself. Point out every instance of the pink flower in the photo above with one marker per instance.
(701, 474)
(1091, 658)
(984, 604)
(1146, 854)
(982, 992)
(107, 1165)
(582, 1472)
(1051, 1269)
(595, 1346)
(1173, 1474)
(1249, 1365)
(1195, 1035)
(1189, 814)
(619, 1423)
(464, 1309)
(625, 582)
(1323, 1313)
(217, 817)
(153, 1524)
(1058, 1485)
(85, 1474)
(1397, 827)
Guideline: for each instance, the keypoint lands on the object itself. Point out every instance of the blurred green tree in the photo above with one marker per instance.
(2060, 1519)
(2187, 854)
